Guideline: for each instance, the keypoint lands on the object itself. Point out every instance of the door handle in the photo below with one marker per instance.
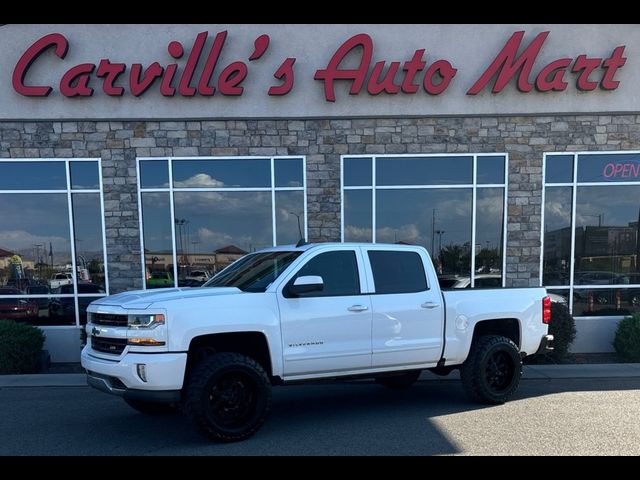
(357, 308)
(430, 305)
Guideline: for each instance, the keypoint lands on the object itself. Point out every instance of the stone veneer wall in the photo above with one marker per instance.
(322, 141)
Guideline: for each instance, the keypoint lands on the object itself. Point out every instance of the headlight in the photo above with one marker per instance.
(146, 321)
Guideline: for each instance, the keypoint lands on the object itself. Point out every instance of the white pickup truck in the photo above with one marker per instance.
(313, 311)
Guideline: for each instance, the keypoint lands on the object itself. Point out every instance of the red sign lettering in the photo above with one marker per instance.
(394, 77)
(622, 170)
(551, 77)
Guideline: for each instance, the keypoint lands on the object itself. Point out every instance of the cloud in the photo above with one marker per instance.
(24, 242)
(357, 234)
(199, 180)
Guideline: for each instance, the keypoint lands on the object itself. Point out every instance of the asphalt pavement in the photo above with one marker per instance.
(558, 410)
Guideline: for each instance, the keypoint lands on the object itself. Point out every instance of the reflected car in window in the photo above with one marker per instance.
(19, 309)
(160, 280)
(481, 281)
(64, 308)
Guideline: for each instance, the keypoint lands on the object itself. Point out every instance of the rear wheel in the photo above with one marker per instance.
(399, 381)
(491, 373)
(151, 408)
(228, 396)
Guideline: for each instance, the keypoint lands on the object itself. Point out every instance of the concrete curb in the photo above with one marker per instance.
(531, 372)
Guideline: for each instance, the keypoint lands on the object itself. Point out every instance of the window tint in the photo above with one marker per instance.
(339, 271)
(490, 169)
(559, 168)
(288, 172)
(154, 174)
(84, 175)
(397, 272)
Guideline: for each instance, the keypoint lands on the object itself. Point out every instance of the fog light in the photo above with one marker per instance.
(142, 371)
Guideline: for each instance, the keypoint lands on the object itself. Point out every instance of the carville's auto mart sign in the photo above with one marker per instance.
(254, 71)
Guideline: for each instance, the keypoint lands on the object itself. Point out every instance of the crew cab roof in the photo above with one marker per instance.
(309, 246)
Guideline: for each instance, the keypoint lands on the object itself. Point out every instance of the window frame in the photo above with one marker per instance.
(574, 185)
(171, 189)
(69, 191)
(473, 186)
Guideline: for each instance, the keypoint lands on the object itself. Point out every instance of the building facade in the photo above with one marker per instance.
(146, 156)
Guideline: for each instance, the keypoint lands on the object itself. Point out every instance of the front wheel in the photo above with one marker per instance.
(228, 396)
(492, 371)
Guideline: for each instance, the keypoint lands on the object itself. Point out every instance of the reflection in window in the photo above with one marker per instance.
(489, 236)
(609, 167)
(84, 175)
(358, 216)
(154, 174)
(35, 248)
(357, 172)
(36, 262)
(33, 175)
(397, 272)
(87, 226)
(220, 221)
(438, 219)
(606, 242)
(431, 213)
(219, 173)
(339, 272)
(237, 208)
(601, 235)
(557, 236)
(288, 172)
(290, 221)
(490, 169)
(559, 169)
(425, 170)
(156, 228)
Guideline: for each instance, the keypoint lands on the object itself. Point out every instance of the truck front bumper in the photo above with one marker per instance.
(163, 375)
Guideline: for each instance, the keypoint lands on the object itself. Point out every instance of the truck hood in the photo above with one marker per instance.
(141, 299)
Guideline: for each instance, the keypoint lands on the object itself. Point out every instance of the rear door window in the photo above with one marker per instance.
(397, 272)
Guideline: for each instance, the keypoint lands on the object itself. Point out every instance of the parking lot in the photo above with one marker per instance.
(547, 417)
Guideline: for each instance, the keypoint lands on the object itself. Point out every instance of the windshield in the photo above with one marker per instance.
(255, 272)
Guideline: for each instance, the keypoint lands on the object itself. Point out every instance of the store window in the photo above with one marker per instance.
(52, 254)
(446, 203)
(590, 233)
(198, 215)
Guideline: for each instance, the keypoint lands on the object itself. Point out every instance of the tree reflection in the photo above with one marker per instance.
(454, 259)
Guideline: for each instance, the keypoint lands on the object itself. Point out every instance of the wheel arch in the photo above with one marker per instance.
(253, 344)
(506, 327)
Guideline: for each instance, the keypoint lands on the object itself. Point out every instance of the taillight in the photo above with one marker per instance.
(546, 310)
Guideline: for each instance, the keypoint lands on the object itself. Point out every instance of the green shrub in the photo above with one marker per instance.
(20, 347)
(627, 339)
(563, 329)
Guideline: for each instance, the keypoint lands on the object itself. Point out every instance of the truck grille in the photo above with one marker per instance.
(110, 319)
(108, 345)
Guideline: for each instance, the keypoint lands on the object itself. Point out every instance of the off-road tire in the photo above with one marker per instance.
(228, 396)
(491, 374)
(400, 381)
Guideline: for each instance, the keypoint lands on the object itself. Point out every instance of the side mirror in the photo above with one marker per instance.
(306, 284)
